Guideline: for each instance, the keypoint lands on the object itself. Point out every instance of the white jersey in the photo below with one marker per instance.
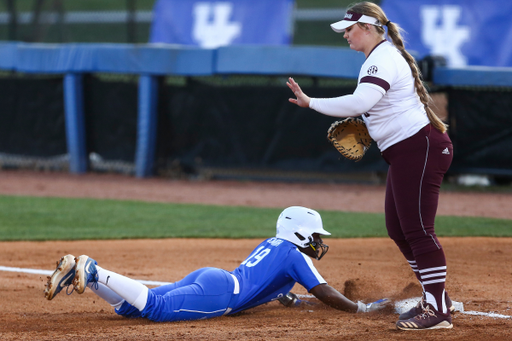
(398, 114)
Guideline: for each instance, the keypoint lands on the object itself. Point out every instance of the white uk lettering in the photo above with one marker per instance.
(212, 27)
(441, 33)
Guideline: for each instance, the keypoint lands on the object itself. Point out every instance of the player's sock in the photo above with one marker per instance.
(107, 294)
(414, 268)
(413, 265)
(132, 291)
(406, 251)
(432, 270)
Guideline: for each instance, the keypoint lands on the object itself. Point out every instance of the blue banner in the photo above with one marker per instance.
(211, 24)
(465, 32)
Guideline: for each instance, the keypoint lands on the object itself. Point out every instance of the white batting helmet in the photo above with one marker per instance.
(297, 224)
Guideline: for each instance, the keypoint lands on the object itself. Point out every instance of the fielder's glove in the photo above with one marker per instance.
(350, 137)
(289, 300)
(374, 306)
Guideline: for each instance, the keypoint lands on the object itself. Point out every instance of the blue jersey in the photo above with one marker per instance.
(271, 271)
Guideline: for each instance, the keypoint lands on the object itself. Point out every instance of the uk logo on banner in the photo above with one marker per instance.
(443, 34)
(212, 24)
(465, 32)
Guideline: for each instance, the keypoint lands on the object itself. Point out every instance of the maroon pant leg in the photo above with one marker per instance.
(416, 169)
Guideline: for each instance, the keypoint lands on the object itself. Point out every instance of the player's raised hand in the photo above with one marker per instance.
(302, 99)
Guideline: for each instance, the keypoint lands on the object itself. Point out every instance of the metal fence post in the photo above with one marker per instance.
(146, 126)
(75, 123)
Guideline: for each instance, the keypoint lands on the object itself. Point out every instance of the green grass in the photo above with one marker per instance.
(32, 218)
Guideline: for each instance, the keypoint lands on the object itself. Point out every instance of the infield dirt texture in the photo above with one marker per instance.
(479, 269)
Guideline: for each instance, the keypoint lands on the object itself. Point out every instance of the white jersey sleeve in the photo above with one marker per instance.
(399, 114)
(363, 99)
(385, 96)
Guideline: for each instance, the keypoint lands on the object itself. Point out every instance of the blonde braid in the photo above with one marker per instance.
(373, 10)
(394, 34)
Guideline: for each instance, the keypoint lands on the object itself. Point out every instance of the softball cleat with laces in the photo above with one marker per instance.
(418, 309)
(427, 319)
(61, 278)
(85, 273)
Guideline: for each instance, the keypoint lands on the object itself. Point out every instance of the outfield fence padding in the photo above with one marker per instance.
(160, 105)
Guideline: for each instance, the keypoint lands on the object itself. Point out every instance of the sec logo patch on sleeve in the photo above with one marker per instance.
(372, 70)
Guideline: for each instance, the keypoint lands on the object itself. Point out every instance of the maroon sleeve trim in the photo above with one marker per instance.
(377, 81)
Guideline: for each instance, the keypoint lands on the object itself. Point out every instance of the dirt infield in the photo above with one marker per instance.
(364, 269)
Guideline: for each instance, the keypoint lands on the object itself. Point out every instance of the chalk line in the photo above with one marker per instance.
(49, 273)
(479, 313)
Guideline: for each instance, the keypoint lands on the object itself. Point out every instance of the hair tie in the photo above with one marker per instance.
(388, 23)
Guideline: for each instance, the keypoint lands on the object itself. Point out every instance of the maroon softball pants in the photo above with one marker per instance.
(417, 166)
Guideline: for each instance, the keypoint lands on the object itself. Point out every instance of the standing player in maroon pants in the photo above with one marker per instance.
(394, 104)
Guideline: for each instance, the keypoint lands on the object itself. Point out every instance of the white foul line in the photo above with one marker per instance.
(487, 314)
(49, 273)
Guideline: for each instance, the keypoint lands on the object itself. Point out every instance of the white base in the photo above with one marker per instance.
(405, 305)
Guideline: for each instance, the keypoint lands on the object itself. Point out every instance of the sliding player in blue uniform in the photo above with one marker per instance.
(268, 274)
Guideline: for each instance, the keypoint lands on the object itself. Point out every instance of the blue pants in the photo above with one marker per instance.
(202, 294)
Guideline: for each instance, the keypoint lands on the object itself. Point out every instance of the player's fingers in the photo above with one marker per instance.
(293, 86)
(293, 100)
(294, 83)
